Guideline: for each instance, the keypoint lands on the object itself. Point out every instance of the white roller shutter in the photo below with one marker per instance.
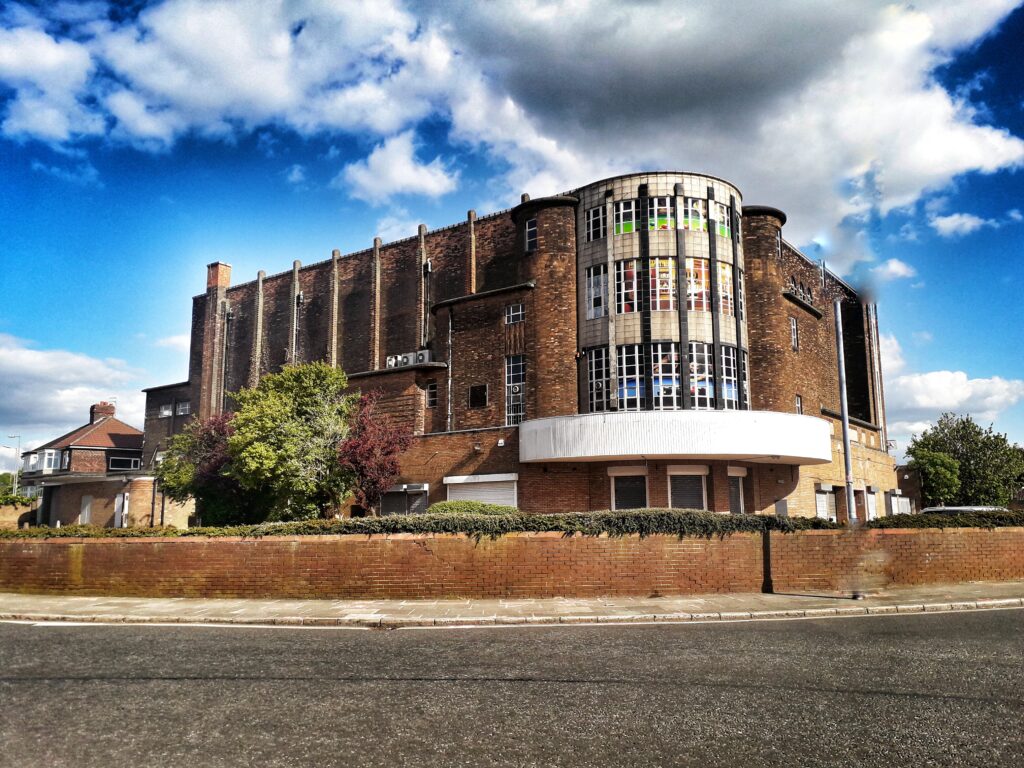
(500, 492)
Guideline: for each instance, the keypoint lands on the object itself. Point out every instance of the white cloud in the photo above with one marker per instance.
(179, 342)
(48, 391)
(892, 354)
(398, 225)
(83, 174)
(959, 224)
(923, 337)
(1015, 215)
(296, 174)
(392, 169)
(892, 269)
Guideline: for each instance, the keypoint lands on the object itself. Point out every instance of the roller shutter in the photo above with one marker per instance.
(687, 491)
(502, 492)
(630, 492)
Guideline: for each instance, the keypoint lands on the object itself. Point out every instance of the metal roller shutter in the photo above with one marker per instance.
(503, 492)
(687, 491)
(630, 492)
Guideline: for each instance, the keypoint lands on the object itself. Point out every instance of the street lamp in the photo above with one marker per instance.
(17, 464)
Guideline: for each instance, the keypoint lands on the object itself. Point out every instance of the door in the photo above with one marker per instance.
(872, 506)
(495, 492)
(85, 513)
(118, 510)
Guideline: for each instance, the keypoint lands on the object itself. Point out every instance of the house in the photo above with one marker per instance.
(92, 475)
(643, 340)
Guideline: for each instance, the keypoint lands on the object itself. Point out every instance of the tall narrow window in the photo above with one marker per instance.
(625, 217)
(730, 379)
(736, 495)
(663, 283)
(515, 381)
(702, 376)
(626, 286)
(631, 378)
(660, 214)
(723, 225)
(597, 291)
(745, 378)
(794, 334)
(698, 297)
(531, 235)
(432, 394)
(597, 378)
(726, 297)
(514, 313)
(694, 215)
(665, 375)
(740, 298)
(799, 404)
(596, 226)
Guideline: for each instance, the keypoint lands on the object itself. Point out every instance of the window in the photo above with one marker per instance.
(596, 225)
(663, 284)
(478, 396)
(794, 334)
(51, 459)
(515, 384)
(122, 462)
(597, 291)
(514, 314)
(723, 225)
(531, 235)
(799, 404)
(631, 379)
(745, 377)
(740, 308)
(726, 297)
(597, 378)
(166, 410)
(65, 460)
(687, 487)
(660, 214)
(778, 243)
(695, 215)
(702, 376)
(626, 287)
(698, 297)
(730, 379)
(629, 491)
(431, 394)
(183, 408)
(625, 217)
(665, 375)
(735, 494)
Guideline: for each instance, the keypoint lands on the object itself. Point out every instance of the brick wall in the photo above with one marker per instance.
(521, 565)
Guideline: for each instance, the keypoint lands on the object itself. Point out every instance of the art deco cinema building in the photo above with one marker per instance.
(645, 340)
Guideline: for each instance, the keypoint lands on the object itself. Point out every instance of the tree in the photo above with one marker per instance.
(940, 475)
(197, 465)
(285, 440)
(989, 465)
(370, 452)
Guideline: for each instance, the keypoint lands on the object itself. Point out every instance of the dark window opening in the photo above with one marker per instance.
(478, 396)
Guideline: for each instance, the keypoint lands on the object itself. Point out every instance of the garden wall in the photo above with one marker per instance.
(409, 566)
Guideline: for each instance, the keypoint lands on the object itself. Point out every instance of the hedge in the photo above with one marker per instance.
(644, 522)
(1001, 519)
(470, 508)
(14, 500)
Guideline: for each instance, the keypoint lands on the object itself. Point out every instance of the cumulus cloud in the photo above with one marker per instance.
(959, 224)
(48, 391)
(296, 174)
(392, 169)
(891, 269)
(83, 174)
(179, 342)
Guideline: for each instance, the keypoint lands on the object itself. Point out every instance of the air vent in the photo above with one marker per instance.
(423, 356)
(393, 361)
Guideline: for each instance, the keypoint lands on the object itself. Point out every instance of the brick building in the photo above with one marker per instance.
(644, 340)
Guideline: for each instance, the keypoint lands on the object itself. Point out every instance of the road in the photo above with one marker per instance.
(922, 690)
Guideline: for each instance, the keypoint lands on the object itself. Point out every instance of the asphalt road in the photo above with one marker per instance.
(921, 690)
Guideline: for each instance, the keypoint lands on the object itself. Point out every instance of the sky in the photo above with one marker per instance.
(140, 141)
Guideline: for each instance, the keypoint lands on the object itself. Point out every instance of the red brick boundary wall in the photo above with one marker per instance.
(518, 565)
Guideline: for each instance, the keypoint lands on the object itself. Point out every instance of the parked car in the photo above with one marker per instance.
(960, 510)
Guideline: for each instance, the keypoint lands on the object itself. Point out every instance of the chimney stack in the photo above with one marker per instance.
(218, 275)
(101, 410)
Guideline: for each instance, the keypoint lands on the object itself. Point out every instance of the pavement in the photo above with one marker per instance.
(397, 614)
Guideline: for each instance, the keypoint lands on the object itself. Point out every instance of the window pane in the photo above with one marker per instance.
(631, 380)
(725, 293)
(736, 495)
(663, 284)
(702, 376)
(698, 298)
(687, 491)
(665, 376)
(597, 291)
(722, 224)
(625, 217)
(630, 492)
(597, 376)
(531, 235)
(515, 396)
(514, 314)
(596, 228)
(694, 215)
(626, 286)
(660, 214)
(730, 379)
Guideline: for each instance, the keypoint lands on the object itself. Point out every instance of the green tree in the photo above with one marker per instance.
(285, 440)
(940, 475)
(989, 465)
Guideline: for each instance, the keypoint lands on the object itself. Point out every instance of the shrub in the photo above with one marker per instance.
(14, 500)
(1000, 519)
(470, 508)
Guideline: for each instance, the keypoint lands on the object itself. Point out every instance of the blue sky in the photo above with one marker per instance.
(141, 141)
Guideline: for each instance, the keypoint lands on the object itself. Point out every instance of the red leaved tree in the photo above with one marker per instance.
(371, 451)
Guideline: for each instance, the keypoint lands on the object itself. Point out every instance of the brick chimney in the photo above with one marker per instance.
(218, 275)
(101, 410)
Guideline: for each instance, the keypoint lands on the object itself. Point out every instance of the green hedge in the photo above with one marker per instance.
(644, 522)
(1004, 519)
(13, 500)
(470, 508)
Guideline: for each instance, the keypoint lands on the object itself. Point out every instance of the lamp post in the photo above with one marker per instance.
(17, 464)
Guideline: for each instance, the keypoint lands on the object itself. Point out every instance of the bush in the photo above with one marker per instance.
(470, 508)
(644, 522)
(14, 500)
(1001, 519)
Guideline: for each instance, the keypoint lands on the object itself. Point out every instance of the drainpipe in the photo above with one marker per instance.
(448, 425)
(851, 510)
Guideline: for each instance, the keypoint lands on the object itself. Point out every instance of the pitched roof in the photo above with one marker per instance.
(106, 432)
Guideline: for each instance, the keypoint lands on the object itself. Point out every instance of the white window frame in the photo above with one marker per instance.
(660, 208)
(740, 473)
(661, 400)
(597, 291)
(799, 405)
(730, 376)
(183, 408)
(622, 286)
(51, 459)
(630, 370)
(597, 227)
(530, 236)
(614, 472)
(695, 288)
(723, 225)
(794, 334)
(625, 225)
(598, 372)
(65, 459)
(166, 411)
(726, 295)
(133, 463)
(514, 313)
(687, 469)
(515, 389)
(694, 216)
(701, 353)
(663, 284)
(741, 308)
(430, 392)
